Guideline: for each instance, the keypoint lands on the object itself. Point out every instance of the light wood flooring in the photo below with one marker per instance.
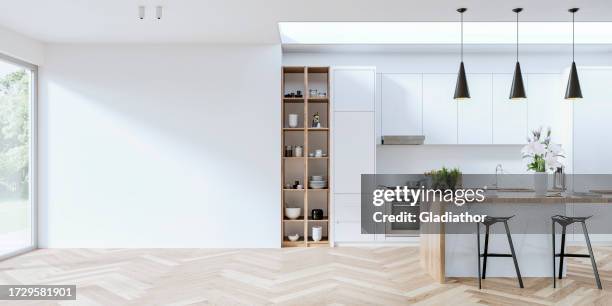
(296, 276)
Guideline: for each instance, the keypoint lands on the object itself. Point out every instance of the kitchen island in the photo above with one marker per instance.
(448, 250)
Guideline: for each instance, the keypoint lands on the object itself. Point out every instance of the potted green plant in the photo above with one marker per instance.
(445, 178)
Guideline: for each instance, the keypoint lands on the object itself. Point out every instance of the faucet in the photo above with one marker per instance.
(498, 170)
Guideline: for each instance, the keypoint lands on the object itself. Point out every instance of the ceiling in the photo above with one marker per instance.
(253, 21)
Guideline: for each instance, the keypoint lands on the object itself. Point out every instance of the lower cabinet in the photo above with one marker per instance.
(347, 219)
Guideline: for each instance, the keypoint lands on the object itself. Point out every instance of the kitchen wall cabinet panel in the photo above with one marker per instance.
(354, 88)
(592, 123)
(439, 109)
(546, 100)
(475, 116)
(509, 116)
(401, 104)
(354, 149)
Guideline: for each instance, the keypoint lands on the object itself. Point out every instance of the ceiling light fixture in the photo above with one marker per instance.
(573, 90)
(461, 89)
(518, 89)
(158, 12)
(141, 12)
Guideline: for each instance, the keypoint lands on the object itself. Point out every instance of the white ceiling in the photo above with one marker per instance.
(253, 21)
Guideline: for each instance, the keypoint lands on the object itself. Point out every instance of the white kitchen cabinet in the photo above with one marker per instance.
(545, 95)
(347, 219)
(401, 104)
(509, 116)
(439, 109)
(354, 149)
(592, 123)
(354, 88)
(475, 115)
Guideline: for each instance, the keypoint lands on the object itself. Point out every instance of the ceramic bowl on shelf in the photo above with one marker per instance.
(293, 237)
(316, 178)
(293, 212)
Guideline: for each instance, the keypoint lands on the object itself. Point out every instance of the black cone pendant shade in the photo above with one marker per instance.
(461, 89)
(573, 90)
(518, 88)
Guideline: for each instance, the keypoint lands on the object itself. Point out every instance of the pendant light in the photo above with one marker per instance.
(461, 89)
(573, 84)
(518, 89)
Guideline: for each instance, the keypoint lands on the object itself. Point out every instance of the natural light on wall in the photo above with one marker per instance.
(443, 32)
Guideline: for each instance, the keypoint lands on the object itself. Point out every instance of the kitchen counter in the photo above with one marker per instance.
(530, 197)
(453, 253)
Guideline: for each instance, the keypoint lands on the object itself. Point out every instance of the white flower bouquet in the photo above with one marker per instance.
(541, 153)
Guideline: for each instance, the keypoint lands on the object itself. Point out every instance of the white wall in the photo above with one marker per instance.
(470, 158)
(160, 146)
(21, 47)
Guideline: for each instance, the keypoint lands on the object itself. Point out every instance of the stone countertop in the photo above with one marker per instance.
(551, 198)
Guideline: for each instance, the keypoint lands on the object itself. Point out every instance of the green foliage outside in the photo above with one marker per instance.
(14, 134)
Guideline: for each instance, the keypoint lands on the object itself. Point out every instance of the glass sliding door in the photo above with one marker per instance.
(17, 162)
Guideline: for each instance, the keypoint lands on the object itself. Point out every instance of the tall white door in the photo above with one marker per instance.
(354, 88)
(439, 109)
(354, 150)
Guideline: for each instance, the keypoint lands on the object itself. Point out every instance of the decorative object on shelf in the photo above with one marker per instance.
(298, 94)
(299, 187)
(316, 120)
(317, 233)
(298, 151)
(573, 90)
(318, 153)
(292, 94)
(288, 151)
(316, 214)
(311, 154)
(518, 89)
(317, 182)
(542, 155)
(293, 120)
(293, 212)
(322, 95)
(445, 178)
(313, 93)
(461, 89)
(293, 237)
(296, 184)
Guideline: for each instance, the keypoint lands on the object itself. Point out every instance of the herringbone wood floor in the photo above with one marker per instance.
(316, 276)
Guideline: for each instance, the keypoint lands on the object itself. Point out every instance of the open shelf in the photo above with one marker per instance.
(301, 80)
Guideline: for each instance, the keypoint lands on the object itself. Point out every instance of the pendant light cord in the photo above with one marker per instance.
(517, 37)
(462, 37)
(573, 35)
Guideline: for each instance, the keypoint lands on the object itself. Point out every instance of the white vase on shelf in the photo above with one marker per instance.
(540, 183)
(293, 120)
(317, 233)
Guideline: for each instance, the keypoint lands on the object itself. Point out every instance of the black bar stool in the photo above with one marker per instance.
(564, 222)
(488, 221)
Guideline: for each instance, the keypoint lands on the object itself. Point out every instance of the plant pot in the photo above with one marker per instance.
(540, 183)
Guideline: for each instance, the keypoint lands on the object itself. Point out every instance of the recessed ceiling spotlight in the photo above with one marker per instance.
(158, 12)
(141, 12)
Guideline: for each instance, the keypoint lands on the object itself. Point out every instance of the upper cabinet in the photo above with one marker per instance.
(353, 88)
(401, 104)
(546, 103)
(475, 119)
(509, 116)
(439, 109)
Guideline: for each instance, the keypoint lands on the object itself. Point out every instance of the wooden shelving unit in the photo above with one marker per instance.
(301, 168)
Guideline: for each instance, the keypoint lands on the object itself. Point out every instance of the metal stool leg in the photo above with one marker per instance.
(478, 253)
(588, 243)
(518, 271)
(554, 258)
(486, 252)
(562, 252)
